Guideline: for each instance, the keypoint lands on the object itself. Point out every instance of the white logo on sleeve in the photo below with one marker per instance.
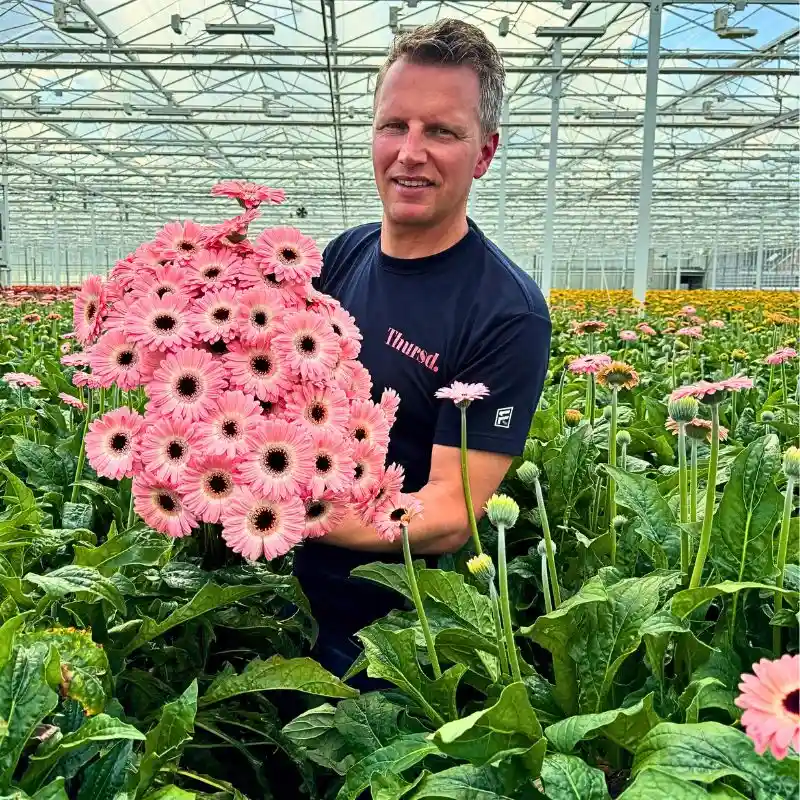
(502, 419)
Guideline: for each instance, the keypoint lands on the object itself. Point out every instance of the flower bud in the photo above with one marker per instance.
(791, 463)
(738, 354)
(607, 411)
(767, 416)
(572, 417)
(623, 437)
(684, 409)
(619, 522)
(482, 568)
(502, 510)
(528, 472)
(541, 548)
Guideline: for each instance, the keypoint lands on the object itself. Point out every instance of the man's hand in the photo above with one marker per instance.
(444, 525)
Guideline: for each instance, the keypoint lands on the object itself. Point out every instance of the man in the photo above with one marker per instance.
(435, 302)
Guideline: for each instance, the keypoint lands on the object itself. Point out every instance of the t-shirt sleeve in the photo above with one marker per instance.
(512, 363)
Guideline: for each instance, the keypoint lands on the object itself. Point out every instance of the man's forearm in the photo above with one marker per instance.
(442, 528)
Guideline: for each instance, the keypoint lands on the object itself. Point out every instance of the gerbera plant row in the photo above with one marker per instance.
(623, 621)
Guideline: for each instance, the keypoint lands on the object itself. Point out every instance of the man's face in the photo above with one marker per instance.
(427, 144)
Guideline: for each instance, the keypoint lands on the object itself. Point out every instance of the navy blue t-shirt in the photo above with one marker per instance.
(468, 314)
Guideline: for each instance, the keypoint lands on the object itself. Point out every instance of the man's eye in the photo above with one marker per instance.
(442, 132)
(393, 126)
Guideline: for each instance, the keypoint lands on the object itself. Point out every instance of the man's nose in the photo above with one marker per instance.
(412, 151)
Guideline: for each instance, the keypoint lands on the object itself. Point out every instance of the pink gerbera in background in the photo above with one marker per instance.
(780, 356)
(645, 329)
(712, 391)
(21, 379)
(287, 254)
(693, 332)
(771, 702)
(112, 443)
(161, 506)
(586, 365)
(71, 400)
(164, 279)
(716, 323)
(248, 195)
(88, 309)
(179, 241)
(628, 336)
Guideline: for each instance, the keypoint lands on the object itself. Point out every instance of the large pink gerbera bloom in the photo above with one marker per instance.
(212, 269)
(160, 323)
(176, 241)
(344, 326)
(323, 514)
(318, 408)
(164, 279)
(215, 316)
(161, 506)
(257, 369)
(592, 364)
(256, 526)
(89, 308)
(117, 359)
(167, 446)
(281, 463)
(368, 423)
(353, 378)
(112, 443)
(771, 700)
(258, 311)
(780, 356)
(231, 426)
(367, 470)
(229, 232)
(147, 257)
(287, 254)
(208, 486)
(187, 384)
(462, 394)
(712, 391)
(307, 344)
(248, 195)
(392, 514)
(332, 464)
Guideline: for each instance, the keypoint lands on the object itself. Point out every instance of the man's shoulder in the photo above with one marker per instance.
(351, 240)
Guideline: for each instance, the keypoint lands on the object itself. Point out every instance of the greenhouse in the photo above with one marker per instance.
(399, 399)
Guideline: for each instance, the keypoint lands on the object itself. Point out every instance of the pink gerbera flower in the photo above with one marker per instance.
(628, 336)
(590, 326)
(112, 443)
(20, 379)
(771, 700)
(390, 516)
(187, 384)
(161, 506)
(318, 408)
(693, 332)
(71, 400)
(386, 489)
(248, 195)
(287, 254)
(230, 231)
(688, 310)
(716, 323)
(208, 486)
(697, 428)
(323, 514)
(176, 241)
(256, 526)
(281, 463)
(368, 423)
(389, 403)
(117, 359)
(257, 369)
(307, 344)
(344, 326)
(167, 446)
(212, 269)
(645, 329)
(462, 394)
(160, 323)
(354, 379)
(164, 279)
(712, 392)
(780, 356)
(231, 425)
(259, 309)
(592, 364)
(367, 471)
(332, 464)
(215, 316)
(89, 308)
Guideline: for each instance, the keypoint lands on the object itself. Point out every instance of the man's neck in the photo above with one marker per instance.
(411, 241)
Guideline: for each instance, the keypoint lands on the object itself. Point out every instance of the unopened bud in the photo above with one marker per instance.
(684, 409)
(686, 377)
(619, 522)
(541, 548)
(528, 472)
(572, 417)
(791, 463)
(767, 416)
(502, 510)
(738, 354)
(482, 568)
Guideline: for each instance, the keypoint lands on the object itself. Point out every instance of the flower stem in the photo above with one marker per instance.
(473, 525)
(560, 401)
(505, 605)
(548, 600)
(623, 456)
(693, 484)
(682, 481)
(711, 490)
(771, 376)
(423, 619)
(81, 453)
(785, 390)
(591, 398)
(548, 543)
(783, 545)
(498, 630)
(611, 505)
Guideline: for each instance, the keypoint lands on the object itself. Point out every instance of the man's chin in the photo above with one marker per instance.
(408, 214)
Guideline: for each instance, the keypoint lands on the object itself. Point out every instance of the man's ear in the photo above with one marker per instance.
(487, 154)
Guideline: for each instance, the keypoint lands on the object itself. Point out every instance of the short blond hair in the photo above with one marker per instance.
(449, 43)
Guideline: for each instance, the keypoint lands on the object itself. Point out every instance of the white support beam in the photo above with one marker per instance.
(760, 256)
(552, 162)
(585, 269)
(715, 260)
(501, 211)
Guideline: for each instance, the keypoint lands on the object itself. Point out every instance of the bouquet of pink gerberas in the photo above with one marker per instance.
(258, 415)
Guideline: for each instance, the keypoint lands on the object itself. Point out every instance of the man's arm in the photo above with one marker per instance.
(443, 526)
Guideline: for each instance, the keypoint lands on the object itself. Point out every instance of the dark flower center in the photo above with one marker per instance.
(175, 450)
(187, 386)
(187, 247)
(276, 460)
(119, 441)
(230, 428)
(167, 502)
(315, 509)
(218, 348)
(259, 318)
(125, 358)
(162, 290)
(318, 412)
(288, 255)
(359, 471)
(91, 310)
(792, 702)
(336, 329)
(222, 314)
(308, 344)
(211, 273)
(397, 514)
(165, 322)
(270, 278)
(217, 483)
(359, 434)
(264, 520)
(260, 365)
(323, 463)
